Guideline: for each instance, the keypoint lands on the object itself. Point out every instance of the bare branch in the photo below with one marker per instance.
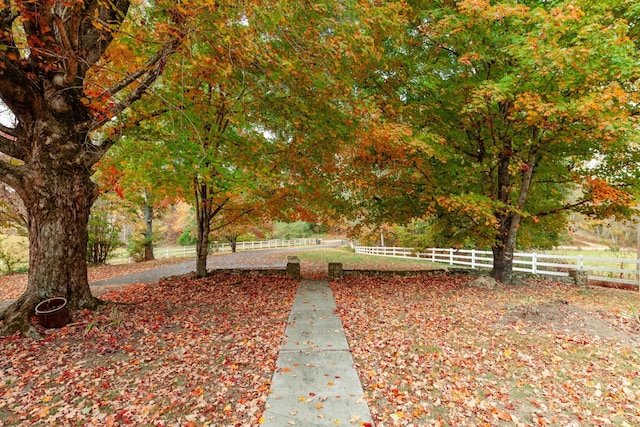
(72, 60)
(9, 144)
(128, 80)
(95, 152)
(566, 207)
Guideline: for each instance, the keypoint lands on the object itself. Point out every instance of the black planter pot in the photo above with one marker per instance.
(53, 312)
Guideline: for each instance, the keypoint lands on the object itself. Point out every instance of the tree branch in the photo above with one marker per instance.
(7, 17)
(128, 80)
(93, 155)
(148, 77)
(96, 38)
(9, 143)
(8, 133)
(37, 22)
(11, 175)
(9, 147)
(236, 218)
(14, 86)
(71, 70)
(566, 207)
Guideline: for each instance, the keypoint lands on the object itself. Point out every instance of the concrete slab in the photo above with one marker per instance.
(317, 372)
(306, 332)
(316, 412)
(314, 295)
(315, 383)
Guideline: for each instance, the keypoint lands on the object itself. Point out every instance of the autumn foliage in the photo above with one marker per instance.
(486, 118)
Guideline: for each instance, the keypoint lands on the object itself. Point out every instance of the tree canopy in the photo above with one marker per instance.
(483, 118)
(502, 115)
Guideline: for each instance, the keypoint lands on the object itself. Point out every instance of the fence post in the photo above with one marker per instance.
(473, 259)
(534, 263)
(580, 263)
(451, 256)
(433, 254)
(184, 252)
(167, 252)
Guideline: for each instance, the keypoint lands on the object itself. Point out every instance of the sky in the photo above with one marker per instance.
(6, 117)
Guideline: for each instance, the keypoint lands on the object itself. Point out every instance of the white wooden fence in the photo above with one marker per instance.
(188, 251)
(619, 270)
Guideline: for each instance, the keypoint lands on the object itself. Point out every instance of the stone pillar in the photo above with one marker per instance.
(293, 267)
(335, 270)
(579, 278)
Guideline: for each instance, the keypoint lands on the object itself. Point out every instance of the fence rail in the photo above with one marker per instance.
(190, 251)
(619, 270)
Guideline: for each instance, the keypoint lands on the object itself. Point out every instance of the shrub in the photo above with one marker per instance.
(138, 248)
(186, 239)
(9, 260)
(103, 237)
(292, 230)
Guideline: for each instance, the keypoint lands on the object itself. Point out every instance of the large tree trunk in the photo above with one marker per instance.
(48, 48)
(505, 247)
(503, 252)
(58, 205)
(508, 217)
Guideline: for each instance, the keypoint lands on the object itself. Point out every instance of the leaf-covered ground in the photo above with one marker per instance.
(430, 351)
(181, 352)
(434, 351)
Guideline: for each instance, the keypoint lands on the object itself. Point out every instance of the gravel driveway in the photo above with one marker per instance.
(268, 258)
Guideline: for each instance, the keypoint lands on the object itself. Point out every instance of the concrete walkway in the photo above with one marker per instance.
(315, 383)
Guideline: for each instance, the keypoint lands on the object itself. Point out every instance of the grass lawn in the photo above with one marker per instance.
(315, 261)
(429, 351)
(16, 248)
